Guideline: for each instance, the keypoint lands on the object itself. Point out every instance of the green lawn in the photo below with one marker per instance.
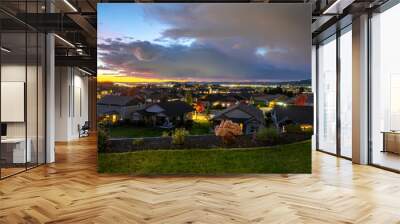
(200, 128)
(291, 158)
(126, 131)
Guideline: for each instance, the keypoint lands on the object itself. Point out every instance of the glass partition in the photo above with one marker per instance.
(22, 88)
(13, 121)
(327, 95)
(346, 93)
(41, 96)
(385, 89)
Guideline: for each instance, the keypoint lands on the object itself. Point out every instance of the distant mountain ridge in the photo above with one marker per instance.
(294, 82)
(299, 82)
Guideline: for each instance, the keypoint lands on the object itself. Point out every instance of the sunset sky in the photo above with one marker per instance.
(203, 42)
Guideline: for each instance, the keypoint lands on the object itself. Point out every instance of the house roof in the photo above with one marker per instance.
(118, 100)
(226, 97)
(175, 108)
(251, 110)
(101, 111)
(171, 108)
(297, 114)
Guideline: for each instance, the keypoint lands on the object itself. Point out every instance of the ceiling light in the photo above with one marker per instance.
(70, 5)
(64, 40)
(326, 11)
(337, 7)
(5, 50)
(86, 72)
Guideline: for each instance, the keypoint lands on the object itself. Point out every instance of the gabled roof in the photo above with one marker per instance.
(171, 108)
(101, 111)
(118, 100)
(218, 97)
(175, 108)
(251, 110)
(297, 114)
(227, 97)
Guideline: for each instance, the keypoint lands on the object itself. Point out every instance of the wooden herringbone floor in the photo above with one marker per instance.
(70, 191)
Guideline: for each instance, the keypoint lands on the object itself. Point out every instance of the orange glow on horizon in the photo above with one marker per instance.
(131, 79)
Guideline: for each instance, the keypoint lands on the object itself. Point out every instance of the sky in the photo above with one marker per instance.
(224, 42)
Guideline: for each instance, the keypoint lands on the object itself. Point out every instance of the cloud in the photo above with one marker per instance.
(218, 42)
(279, 26)
(194, 62)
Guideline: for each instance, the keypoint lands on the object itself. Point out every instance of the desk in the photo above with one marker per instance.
(391, 141)
(19, 155)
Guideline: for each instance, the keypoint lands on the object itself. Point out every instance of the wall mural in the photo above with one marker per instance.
(204, 88)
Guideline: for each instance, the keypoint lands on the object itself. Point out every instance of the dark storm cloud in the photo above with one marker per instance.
(226, 41)
(278, 26)
(177, 61)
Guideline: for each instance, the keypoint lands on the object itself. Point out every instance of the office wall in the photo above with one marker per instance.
(71, 102)
(16, 73)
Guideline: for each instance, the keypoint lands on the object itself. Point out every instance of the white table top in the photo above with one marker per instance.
(13, 140)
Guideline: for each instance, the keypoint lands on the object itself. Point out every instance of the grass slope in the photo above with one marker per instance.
(291, 158)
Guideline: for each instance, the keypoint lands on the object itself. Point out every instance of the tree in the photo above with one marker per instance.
(208, 110)
(228, 131)
(289, 93)
(252, 102)
(199, 107)
(301, 100)
(189, 98)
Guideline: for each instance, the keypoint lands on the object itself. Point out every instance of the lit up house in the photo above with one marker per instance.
(291, 114)
(174, 113)
(222, 101)
(112, 108)
(248, 116)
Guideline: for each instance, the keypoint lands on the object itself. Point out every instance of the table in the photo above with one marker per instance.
(19, 155)
(391, 141)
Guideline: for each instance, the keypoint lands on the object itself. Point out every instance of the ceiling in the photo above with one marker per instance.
(75, 21)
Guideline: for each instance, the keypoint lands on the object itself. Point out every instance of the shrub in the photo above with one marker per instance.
(138, 142)
(165, 134)
(298, 129)
(293, 128)
(189, 124)
(103, 136)
(265, 134)
(179, 135)
(309, 131)
(228, 131)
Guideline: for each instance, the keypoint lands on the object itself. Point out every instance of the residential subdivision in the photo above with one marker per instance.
(52, 101)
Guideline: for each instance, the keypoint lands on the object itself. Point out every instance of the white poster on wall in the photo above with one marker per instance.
(12, 101)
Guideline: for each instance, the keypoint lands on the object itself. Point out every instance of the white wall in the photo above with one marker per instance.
(12, 73)
(71, 103)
